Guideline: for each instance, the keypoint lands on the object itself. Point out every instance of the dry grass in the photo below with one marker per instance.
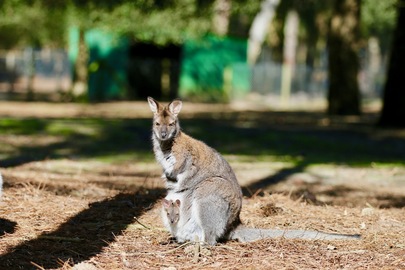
(114, 229)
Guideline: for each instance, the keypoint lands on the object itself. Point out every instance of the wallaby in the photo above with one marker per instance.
(205, 184)
(171, 214)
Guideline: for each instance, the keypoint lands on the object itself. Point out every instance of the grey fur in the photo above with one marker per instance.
(243, 234)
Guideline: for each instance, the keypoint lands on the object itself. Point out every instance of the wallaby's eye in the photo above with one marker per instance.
(171, 124)
(157, 124)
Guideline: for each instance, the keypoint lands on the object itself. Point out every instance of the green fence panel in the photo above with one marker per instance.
(240, 82)
(204, 63)
(108, 65)
(108, 56)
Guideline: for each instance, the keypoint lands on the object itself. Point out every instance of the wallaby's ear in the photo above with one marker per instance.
(154, 105)
(175, 106)
(178, 202)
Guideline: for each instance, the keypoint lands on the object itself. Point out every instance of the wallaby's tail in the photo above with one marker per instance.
(243, 234)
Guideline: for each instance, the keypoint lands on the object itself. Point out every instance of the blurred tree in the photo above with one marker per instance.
(80, 68)
(378, 20)
(260, 28)
(343, 45)
(39, 22)
(167, 21)
(393, 111)
(313, 17)
(30, 23)
(221, 17)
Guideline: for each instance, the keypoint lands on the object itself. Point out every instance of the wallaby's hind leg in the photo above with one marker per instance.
(212, 215)
(215, 208)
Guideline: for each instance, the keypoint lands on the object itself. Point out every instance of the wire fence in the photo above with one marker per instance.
(49, 71)
(41, 71)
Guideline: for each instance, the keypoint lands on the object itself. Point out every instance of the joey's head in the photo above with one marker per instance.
(172, 209)
(165, 121)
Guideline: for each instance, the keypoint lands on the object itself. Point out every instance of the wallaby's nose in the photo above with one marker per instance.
(163, 134)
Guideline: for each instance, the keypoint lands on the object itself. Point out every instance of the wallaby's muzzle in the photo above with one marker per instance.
(163, 133)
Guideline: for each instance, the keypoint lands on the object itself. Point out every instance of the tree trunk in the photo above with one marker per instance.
(289, 55)
(80, 67)
(30, 63)
(393, 111)
(343, 40)
(222, 15)
(260, 28)
(11, 67)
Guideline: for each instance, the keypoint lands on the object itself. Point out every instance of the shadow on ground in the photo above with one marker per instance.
(101, 137)
(298, 136)
(7, 226)
(273, 179)
(83, 236)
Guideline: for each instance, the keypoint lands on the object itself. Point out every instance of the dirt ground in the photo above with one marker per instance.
(76, 211)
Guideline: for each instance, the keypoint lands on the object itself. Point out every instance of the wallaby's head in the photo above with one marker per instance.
(172, 209)
(165, 122)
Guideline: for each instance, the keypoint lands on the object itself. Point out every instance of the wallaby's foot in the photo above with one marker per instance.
(210, 241)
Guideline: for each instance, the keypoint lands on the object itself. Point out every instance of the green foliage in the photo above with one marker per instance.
(39, 22)
(378, 16)
(159, 25)
(30, 23)
(378, 19)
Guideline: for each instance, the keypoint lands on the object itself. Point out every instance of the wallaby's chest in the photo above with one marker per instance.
(167, 159)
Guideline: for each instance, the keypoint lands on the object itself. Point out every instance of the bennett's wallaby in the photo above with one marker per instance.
(205, 184)
(171, 214)
(198, 176)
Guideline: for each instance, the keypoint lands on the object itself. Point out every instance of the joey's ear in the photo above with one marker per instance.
(175, 106)
(166, 203)
(154, 105)
(178, 202)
